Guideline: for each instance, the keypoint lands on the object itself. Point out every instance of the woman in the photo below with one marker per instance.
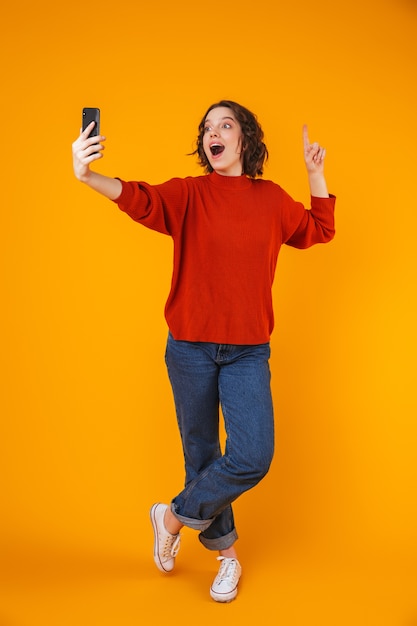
(227, 226)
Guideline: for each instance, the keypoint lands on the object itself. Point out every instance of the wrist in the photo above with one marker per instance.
(86, 177)
(318, 186)
(316, 176)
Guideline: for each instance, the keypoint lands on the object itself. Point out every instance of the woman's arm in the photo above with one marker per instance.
(314, 159)
(86, 150)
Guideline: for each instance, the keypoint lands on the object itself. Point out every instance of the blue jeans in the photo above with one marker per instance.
(205, 376)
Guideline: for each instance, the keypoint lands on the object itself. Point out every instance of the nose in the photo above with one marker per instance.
(214, 133)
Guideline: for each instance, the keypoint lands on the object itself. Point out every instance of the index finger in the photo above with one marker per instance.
(306, 140)
(87, 130)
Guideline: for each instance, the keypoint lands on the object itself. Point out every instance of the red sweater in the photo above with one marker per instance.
(227, 233)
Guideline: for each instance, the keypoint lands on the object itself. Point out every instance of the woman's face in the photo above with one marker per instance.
(222, 142)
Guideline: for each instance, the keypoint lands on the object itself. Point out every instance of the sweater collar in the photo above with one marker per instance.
(229, 182)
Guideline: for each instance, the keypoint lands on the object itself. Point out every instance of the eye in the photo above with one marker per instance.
(227, 125)
(206, 129)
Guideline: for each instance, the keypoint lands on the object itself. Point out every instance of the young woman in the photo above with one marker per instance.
(227, 226)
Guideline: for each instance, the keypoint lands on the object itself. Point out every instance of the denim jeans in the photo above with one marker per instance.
(205, 376)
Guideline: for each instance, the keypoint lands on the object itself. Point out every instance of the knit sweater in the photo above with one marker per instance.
(227, 233)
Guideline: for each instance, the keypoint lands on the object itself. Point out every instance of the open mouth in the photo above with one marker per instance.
(216, 149)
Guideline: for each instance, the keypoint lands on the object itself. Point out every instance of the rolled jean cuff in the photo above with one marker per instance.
(197, 524)
(220, 543)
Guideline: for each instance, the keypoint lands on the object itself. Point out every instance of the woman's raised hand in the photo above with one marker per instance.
(314, 160)
(313, 154)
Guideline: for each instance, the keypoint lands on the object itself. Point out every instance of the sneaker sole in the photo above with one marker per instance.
(225, 597)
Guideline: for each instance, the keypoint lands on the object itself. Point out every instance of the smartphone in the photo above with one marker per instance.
(91, 114)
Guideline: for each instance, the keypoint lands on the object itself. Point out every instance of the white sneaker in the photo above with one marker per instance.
(224, 587)
(166, 546)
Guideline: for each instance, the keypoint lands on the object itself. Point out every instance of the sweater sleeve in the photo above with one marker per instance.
(158, 207)
(303, 228)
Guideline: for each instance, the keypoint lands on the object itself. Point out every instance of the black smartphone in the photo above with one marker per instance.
(91, 114)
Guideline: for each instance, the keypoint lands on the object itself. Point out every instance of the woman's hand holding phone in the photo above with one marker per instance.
(85, 150)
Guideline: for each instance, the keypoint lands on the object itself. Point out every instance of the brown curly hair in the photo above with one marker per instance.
(255, 152)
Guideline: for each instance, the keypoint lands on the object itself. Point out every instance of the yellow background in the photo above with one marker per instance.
(88, 434)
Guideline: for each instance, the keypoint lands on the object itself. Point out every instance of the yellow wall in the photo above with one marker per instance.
(86, 410)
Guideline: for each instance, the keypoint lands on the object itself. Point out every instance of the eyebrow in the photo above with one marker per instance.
(223, 118)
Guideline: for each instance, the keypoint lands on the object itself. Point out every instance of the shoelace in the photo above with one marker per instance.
(172, 545)
(228, 569)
